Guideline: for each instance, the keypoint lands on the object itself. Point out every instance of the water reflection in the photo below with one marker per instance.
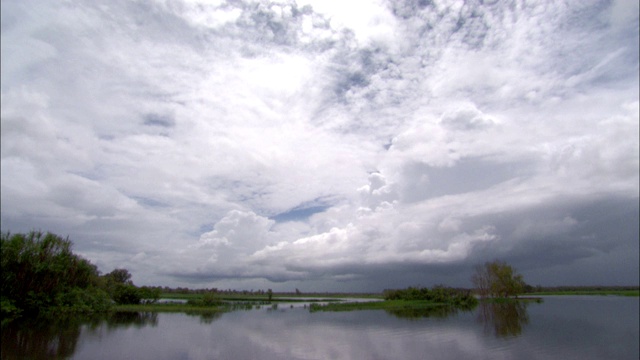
(131, 319)
(557, 330)
(205, 317)
(36, 339)
(57, 337)
(505, 319)
(431, 312)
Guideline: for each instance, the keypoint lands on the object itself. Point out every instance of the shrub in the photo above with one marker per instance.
(209, 299)
(438, 294)
(37, 268)
(126, 294)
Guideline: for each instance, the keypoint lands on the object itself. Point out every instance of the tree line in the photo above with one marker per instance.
(42, 275)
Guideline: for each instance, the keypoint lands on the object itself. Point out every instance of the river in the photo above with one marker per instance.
(561, 327)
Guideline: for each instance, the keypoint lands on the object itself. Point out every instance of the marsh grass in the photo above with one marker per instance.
(376, 305)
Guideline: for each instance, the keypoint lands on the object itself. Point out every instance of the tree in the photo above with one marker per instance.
(497, 279)
(120, 287)
(120, 276)
(40, 272)
(149, 295)
(126, 294)
(480, 280)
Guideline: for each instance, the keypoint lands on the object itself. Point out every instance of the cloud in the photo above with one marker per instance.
(364, 146)
(238, 230)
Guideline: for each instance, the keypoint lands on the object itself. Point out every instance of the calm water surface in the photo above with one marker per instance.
(563, 327)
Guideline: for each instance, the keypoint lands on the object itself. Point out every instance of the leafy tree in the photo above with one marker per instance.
(149, 295)
(119, 276)
(122, 290)
(40, 272)
(497, 279)
(126, 294)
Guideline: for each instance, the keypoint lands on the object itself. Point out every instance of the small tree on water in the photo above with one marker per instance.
(497, 279)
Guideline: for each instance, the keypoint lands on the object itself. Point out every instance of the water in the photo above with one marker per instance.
(574, 327)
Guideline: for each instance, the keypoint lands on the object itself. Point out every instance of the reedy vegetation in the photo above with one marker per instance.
(411, 300)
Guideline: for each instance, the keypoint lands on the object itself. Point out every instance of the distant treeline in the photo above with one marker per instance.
(258, 292)
(527, 289)
(184, 290)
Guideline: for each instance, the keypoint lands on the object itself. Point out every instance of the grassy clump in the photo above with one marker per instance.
(373, 305)
(409, 300)
(207, 300)
(406, 309)
(438, 294)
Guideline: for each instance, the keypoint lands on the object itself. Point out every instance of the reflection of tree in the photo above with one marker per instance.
(56, 338)
(506, 319)
(37, 339)
(131, 318)
(206, 317)
(439, 312)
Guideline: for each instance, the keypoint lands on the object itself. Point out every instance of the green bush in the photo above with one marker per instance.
(83, 300)
(438, 294)
(126, 294)
(38, 268)
(8, 309)
(209, 299)
(149, 295)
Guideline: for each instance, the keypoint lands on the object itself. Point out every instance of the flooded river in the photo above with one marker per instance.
(562, 327)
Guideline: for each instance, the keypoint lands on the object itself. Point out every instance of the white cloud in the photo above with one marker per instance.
(369, 20)
(241, 231)
(166, 137)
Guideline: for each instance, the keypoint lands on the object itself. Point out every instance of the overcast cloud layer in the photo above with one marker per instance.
(326, 145)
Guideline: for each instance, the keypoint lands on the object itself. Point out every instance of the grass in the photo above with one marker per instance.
(406, 309)
(226, 303)
(377, 305)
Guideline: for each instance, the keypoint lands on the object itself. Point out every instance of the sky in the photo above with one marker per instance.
(326, 145)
